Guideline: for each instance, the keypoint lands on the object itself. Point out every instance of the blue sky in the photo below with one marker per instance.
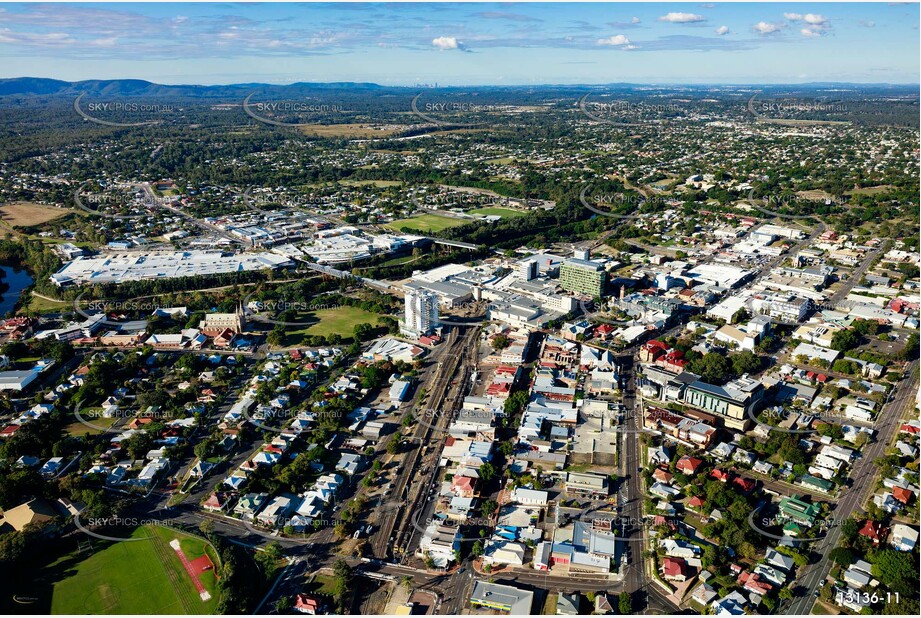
(457, 44)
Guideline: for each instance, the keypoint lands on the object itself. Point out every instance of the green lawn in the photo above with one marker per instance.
(427, 223)
(92, 416)
(502, 212)
(323, 584)
(326, 322)
(376, 183)
(403, 259)
(131, 577)
(41, 305)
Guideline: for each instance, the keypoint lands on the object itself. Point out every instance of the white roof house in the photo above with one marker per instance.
(532, 497)
(903, 538)
(503, 552)
(815, 352)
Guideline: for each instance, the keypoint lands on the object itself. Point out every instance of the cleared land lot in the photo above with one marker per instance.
(345, 130)
(376, 183)
(26, 213)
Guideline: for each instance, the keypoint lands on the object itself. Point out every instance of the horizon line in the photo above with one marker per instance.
(466, 85)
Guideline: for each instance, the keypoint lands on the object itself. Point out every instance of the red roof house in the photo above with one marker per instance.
(307, 604)
(745, 484)
(673, 361)
(216, 502)
(674, 569)
(463, 486)
(874, 531)
(753, 583)
(688, 465)
(901, 494)
(604, 330)
(225, 338)
(722, 476)
(652, 351)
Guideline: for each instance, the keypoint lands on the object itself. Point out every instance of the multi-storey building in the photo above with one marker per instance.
(733, 402)
(421, 313)
(583, 277)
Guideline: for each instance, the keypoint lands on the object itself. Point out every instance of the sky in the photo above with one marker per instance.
(464, 43)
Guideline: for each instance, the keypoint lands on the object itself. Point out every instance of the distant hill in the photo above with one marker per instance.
(25, 86)
(39, 86)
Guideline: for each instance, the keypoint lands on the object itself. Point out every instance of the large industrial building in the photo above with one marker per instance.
(124, 267)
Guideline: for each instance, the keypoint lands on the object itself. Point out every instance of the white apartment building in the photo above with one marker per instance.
(421, 313)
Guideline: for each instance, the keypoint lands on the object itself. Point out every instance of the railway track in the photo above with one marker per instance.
(383, 545)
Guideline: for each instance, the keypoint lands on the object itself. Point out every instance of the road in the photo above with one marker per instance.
(162, 203)
(632, 509)
(645, 595)
(864, 474)
(853, 279)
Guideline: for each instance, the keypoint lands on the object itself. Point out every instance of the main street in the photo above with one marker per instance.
(864, 475)
(631, 461)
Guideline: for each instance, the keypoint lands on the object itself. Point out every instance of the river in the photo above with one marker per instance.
(17, 280)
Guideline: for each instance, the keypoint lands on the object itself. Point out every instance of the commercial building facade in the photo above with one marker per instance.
(583, 277)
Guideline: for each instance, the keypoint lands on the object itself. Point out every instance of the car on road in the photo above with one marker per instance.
(461, 570)
(818, 591)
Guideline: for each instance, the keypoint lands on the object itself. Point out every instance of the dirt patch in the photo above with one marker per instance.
(26, 214)
(347, 130)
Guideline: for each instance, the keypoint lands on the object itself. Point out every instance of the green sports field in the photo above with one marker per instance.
(502, 212)
(131, 577)
(325, 322)
(427, 223)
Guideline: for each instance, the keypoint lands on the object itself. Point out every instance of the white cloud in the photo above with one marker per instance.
(868, 24)
(635, 20)
(722, 30)
(445, 42)
(813, 31)
(682, 18)
(763, 27)
(810, 18)
(617, 39)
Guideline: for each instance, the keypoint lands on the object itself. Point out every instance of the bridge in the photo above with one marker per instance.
(454, 243)
(341, 274)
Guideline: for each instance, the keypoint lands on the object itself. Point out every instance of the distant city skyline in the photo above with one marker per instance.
(464, 44)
